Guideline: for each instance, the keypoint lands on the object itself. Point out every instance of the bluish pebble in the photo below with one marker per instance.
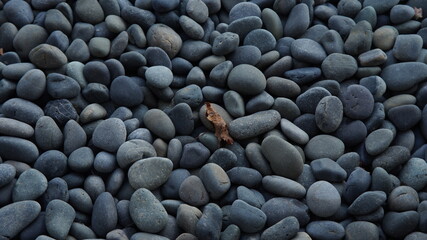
(156, 56)
(298, 21)
(209, 224)
(245, 25)
(234, 103)
(308, 101)
(400, 224)
(89, 11)
(56, 20)
(78, 51)
(404, 117)
(244, 176)
(170, 189)
(324, 229)
(192, 95)
(18, 12)
(327, 169)
(94, 185)
(244, 9)
(8, 173)
(159, 123)
(283, 187)
(23, 45)
(339, 66)
(61, 110)
(262, 39)
(51, 164)
(303, 75)
(249, 219)
(260, 102)
(403, 198)
(293, 132)
(59, 218)
(323, 199)
(223, 157)
(15, 217)
(407, 47)
(158, 76)
(109, 134)
(96, 93)
(194, 155)
(104, 162)
(391, 158)
(15, 128)
(58, 39)
(74, 136)
(83, 31)
(164, 6)
(358, 102)
(282, 87)
(367, 203)
(104, 214)
(332, 42)
(361, 230)
(15, 71)
(307, 50)
(80, 200)
(35, 229)
(193, 192)
(57, 188)
(250, 196)
(287, 108)
(351, 132)
(141, 173)
(275, 211)
(225, 43)
(18, 149)
(329, 114)
(9, 31)
(197, 10)
(357, 183)
(261, 121)
(47, 134)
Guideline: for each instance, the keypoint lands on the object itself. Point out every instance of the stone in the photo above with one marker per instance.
(323, 199)
(378, 141)
(339, 66)
(248, 218)
(246, 79)
(293, 132)
(59, 218)
(307, 50)
(215, 180)
(278, 208)
(400, 224)
(285, 229)
(308, 101)
(407, 47)
(325, 229)
(260, 38)
(262, 122)
(324, 146)
(393, 74)
(283, 187)
(104, 214)
(15, 217)
(329, 114)
(358, 102)
(367, 203)
(149, 173)
(109, 134)
(193, 192)
(298, 21)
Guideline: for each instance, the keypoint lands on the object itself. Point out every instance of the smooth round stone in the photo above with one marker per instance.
(245, 25)
(8, 173)
(187, 217)
(329, 114)
(323, 199)
(89, 11)
(359, 230)
(325, 229)
(197, 10)
(327, 169)
(381, 180)
(293, 132)
(109, 134)
(194, 155)
(308, 101)
(411, 174)
(23, 44)
(133, 150)
(372, 58)
(15, 71)
(47, 56)
(248, 218)
(332, 42)
(96, 92)
(342, 25)
(360, 39)
(415, 235)
(413, 72)
(278, 208)
(97, 72)
(104, 162)
(245, 176)
(81, 159)
(400, 224)
(351, 132)
(61, 86)
(225, 43)
(283, 187)
(215, 180)
(218, 75)
(147, 212)
(324, 146)
(403, 198)
(59, 217)
(380, 7)
(15, 128)
(18, 149)
(15, 217)
(378, 141)
(157, 57)
(164, 6)
(375, 85)
(81, 231)
(404, 117)
(74, 136)
(18, 12)
(92, 112)
(30, 185)
(260, 102)
(287, 108)
(358, 102)
(22, 110)
(160, 35)
(159, 123)
(32, 85)
(47, 134)
(80, 200)
(174, 151)
(191, 28)
(246, 79)
(170, 188)
(210, 222)
(407, 47)
(158, 76)
(193, 192)
(262, 39)
(244, 9)
(149, 173)
(272, 22)
(99, 46)
(182, 118)
(357, 183)
(367, 203)
(273, 148)
(303, 75)
(339, 66)
(391, 158)
(125, 92)
(282, 87)
(115, 23)
(385, 37)
(286, 228)
(307, 50)
(349, 8)
(257, 159)
(78, 51)
(51, 164)
(191, 94)
(104, 214)
(261, 122)
(399, 100)
(250, 196)
(298, 21)
(9, 31)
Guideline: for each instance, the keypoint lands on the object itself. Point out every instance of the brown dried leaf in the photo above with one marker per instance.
(418, 13)
(221, 130)
(1, 51)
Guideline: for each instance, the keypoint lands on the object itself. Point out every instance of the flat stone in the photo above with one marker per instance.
(324, 146)
(261, 122)
(150, 173)
(59, 218)
(109, 134)
(246, 79)
(325, 229)
(15, 217)
(407, 47)
(412, 72)
(339, 66)
(283, 187)
(307, 50)
(367, 203)
(400, 224)
(327, 169)
(403, 198)
(329, 114)
(285, 229)
(359, 230)
(392, 158)
(298, 21)
(323, 199)
(378, 141)
(248, 218)
(193, 192)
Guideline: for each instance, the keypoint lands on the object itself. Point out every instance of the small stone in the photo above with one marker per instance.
(245, 25)
(303, 75)
(261, 122)
(323, 199)
(357, 183)
(89, 11)
(194, 155)
(147, 212)
(325, 229)
(339, 66)
(282, 87)
(149, 173)
(404, 117)
(191, 28)
(327, 169)
(210, 223)
(59, 218)
(358, 102)
(307, 50)
(324, 146)
(244, 9)
(367, 203)
(193, 192)
(411, 174)
(215, 179)
(403, 198)
(109, 134)
(378, 141)
(104, 214)
(400, 224)
(248, 218)
(197, 10)
(371, 58)
(385, 37)
(30, 185)
(274, 148)
(308, 101)
(191, 94)
(246, 79)
(278, 208)
(15, 217)
(285, 229)
(245, 176)
(391, 158)
(329, 114)
(262, 39)
(159, 76)
(298, 21)
(359, 230)
(225, 43)
(407, 47)
(412, 72)
(61, 110)
(283, 187)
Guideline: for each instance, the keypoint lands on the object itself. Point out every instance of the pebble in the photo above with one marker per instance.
(210, 222)
(361, 230)
(262, 39)
(16, 216)
(282, 87)
(392, 75)
(225, 43)
(307, 50)
(61, 110)
(191, 94)
(329, 114)
(298, 21)
(403, 198)
(357, 183)
(400, 224)
(261, 122)
(193, 192)
(51, 164)
(248, 218)
(286, 228)
(283, 187)
(147, 212)
(215, 180)
(47, 134)
(323, 199)
(327, 169)
(308, 101)
(407, 47)
(324, 146)
(378, 141)
(30, 185)
(104, 214)
(367, 203)
(339, 66)
(358, 102)
(402, 123)
(59, 218)
(109, 134)
(149, 173)
(325, 229)
(244, 176)
(293, 132)
(391, 158)
(303, 75)
(246, 79)
(273, 148)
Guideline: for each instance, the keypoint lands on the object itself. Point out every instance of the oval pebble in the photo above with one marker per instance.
(324, 146)
(109, 134)
(323, 199)
(59, 218)
(16, 216)
(150, 173)
(261, 122)
(246, 79)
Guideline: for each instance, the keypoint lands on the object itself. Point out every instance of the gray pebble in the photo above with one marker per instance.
(308, 101)
(59, 218)
(74, 137)
(378, 141)
(358, 102)
(158, 76)
(8, 173)
(282, 87)
(81, 159)
(359, 230)
(51, 164)
(307, 50)
(403, 198)
(225, 43)
(47, 134)
(329, 114)
(248, 218)
(273, 148)
(286, 228)
(105, 162)
(367, 203)
(150, 173)
(262, 39)
(47, 56)
(275, 211)
(32, 85)
(391, 158)
(244, 9)
(104, 214)
(109, 134)
(400, 224)
(293, 132)
(261, 122)
(80, 200)
(325, 229)
(245, 25)
(339, 66)
(324, 146)
(246, 79)
(197, 10)
(193, 192)
(215, 179)
(283, 187)
(15, 128)
(327, 169)
(298, 21)
(30, 185)
(323, 199)
(22, 110)
(191, 94)
(16, 216)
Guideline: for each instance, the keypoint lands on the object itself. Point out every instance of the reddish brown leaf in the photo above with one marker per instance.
(221, 130)
(1, 51)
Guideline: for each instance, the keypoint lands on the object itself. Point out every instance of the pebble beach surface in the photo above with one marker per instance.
(213, 119)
